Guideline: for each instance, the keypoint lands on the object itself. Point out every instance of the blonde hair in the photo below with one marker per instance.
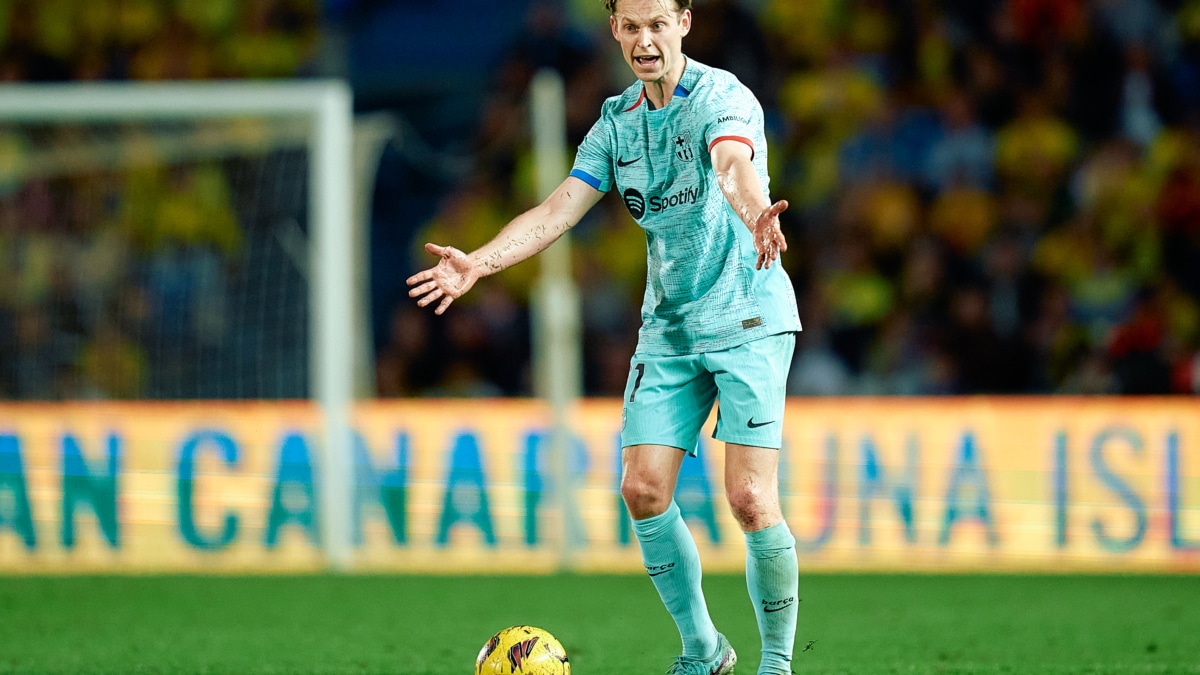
(611, 5)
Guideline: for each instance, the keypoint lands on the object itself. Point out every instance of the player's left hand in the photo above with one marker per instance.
(768, 235)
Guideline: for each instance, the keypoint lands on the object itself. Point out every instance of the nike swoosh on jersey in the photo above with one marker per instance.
(754, 425)
(623, 163)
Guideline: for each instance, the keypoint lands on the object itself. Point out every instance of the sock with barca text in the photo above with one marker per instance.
(673, 563)
(772, 577)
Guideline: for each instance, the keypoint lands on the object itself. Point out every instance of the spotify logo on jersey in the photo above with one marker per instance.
(635, 202)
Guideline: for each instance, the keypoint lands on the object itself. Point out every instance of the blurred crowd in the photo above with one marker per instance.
(126, 248)
(988, 196)
(59, 40)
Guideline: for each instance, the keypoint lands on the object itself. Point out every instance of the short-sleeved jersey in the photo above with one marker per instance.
(703, 293)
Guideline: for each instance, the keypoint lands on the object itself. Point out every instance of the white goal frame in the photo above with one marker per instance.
(328, 103)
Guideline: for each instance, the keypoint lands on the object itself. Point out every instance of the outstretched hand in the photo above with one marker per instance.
(768, 236)
(453, 276)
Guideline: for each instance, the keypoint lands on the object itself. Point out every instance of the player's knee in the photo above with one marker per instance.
(753, 507)
(644, 496)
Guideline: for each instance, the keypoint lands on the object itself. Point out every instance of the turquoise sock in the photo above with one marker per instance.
(772, 576)
(671, 559)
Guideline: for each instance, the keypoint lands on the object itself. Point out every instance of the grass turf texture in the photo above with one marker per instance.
(860, 624)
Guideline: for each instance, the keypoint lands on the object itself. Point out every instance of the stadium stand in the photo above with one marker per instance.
(989, 196)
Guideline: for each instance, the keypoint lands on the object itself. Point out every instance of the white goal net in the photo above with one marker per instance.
(155, 260)
(182, 241)
(155, 256)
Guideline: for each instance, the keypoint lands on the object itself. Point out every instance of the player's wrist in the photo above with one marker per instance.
(484, 264)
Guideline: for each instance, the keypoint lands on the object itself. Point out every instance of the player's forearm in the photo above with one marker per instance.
(743, 190)
(524, 237)
(533, 231)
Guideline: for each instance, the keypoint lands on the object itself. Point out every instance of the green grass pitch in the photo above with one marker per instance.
(610, 625)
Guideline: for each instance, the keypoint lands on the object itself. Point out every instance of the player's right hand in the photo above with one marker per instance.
(453, 276)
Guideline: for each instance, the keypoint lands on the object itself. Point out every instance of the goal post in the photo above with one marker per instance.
(556, 311)
(325, 110)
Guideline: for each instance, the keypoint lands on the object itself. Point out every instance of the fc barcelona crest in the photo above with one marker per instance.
(683, 147)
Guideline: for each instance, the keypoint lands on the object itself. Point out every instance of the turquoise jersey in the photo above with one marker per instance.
(703, 293)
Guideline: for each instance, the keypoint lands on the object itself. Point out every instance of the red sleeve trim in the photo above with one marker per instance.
(741, 139)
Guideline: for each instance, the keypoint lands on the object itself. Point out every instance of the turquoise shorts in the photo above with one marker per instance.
(668, 398)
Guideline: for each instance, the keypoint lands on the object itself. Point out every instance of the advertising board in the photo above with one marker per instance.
(442, 486)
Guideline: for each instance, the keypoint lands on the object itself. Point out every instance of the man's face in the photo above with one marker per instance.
(651, 36)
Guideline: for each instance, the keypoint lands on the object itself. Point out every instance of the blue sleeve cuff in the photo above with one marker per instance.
(587, 178)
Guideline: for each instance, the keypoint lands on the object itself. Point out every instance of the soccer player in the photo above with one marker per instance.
(685, 148)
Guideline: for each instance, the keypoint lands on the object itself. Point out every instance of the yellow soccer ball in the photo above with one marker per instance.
(522, 650)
